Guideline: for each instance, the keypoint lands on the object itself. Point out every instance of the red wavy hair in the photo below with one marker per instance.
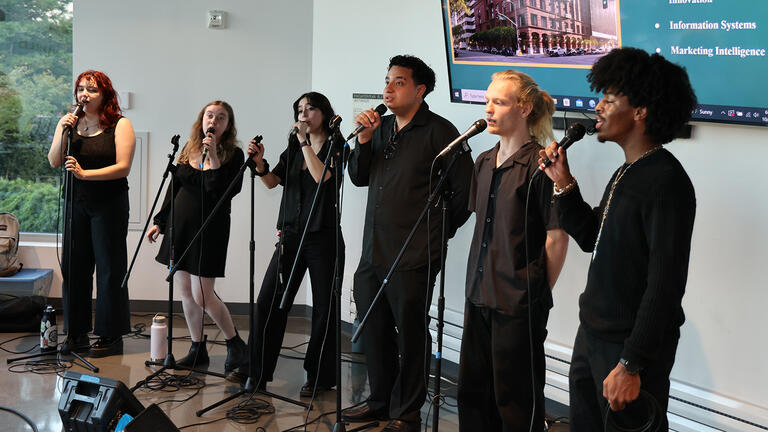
(110, 109)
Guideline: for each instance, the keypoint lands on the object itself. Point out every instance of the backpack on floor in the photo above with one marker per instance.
(9, 245)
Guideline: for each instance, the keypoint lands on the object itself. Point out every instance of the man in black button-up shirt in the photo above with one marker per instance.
(497, 355)
(393, 157)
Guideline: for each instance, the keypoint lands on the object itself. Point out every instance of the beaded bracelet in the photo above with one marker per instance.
(557, 191)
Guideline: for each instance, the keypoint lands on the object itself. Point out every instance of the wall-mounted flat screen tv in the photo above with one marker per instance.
(721, 43)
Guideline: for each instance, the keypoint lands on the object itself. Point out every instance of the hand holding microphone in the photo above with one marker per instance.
(301, 129)
(553, 161)
(256, 152)
(367, 122)
(208, 142)
(71, 120)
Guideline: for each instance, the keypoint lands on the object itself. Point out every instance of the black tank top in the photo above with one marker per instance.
(93, 153)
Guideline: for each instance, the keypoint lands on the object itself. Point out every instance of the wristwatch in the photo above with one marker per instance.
(631, 367)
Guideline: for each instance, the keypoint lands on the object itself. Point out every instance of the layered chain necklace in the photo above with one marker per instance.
(610, 195)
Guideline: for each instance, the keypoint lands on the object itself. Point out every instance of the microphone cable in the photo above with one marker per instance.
(530, 305)
(278, 269)
(203, 338)
(650, 419)
(330, 316)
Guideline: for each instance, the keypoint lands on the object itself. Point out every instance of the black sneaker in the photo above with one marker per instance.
(76, 343)
(107, 346)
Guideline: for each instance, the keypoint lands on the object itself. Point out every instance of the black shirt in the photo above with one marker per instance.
(299, 190)
(398, 188)
(96, 152)
(496, 270)
(637, 276)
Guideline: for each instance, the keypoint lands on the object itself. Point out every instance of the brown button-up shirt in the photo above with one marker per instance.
(496, 270)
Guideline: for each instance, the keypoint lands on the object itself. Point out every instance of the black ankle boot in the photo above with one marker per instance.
(76, 343)
(237, 353)
(107, 346)
(197, 356)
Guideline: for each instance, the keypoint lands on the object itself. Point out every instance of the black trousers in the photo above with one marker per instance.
(269, 320)
(98, 237)
(396, 339)
(495, 387)
(591, 362)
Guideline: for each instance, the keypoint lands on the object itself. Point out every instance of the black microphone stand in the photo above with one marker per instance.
(447, 195)
(339, 426)
(67, 240)
(169, 362)
(336, 155)
(441, 299)
(326, 162)
(340, 156)
(251, 386)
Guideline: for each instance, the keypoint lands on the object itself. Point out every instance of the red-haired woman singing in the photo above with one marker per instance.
(99, 160)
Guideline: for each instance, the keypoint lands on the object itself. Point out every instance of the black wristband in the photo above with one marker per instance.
(631, 367)
(266, 169)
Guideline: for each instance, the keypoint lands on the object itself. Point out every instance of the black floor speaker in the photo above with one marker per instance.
(93, 404)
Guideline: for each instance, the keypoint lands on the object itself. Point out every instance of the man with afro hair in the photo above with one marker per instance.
(640, 239)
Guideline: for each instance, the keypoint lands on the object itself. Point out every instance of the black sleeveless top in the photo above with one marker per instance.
(92, 153)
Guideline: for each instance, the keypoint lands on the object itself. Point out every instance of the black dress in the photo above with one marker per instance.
(195, 194)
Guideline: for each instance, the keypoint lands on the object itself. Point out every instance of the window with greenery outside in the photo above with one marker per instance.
(35, 90)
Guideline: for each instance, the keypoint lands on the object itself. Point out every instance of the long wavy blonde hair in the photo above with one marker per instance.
(539, 121)
(225, 149)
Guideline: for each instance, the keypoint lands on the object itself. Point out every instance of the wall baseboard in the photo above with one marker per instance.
(146, 306)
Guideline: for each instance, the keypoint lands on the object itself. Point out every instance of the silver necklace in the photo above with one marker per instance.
(88, 126)
(610, 196)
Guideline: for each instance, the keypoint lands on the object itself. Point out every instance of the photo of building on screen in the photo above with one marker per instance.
(567, 32)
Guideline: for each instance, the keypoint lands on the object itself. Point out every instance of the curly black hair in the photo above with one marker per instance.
(649, 81)
(422, 74)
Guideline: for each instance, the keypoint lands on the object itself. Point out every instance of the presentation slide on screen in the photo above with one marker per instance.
(721, 43)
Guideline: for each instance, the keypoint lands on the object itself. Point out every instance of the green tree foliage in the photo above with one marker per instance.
(458, 34)
(498, 37)
(35, 72)
(35, 204)
(457, 5)
(35, 90)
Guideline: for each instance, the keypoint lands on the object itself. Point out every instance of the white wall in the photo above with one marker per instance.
(722, 349)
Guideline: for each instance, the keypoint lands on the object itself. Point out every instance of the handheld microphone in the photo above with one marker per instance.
(574, 133)
(79, 111)
(381, 109)
(294, 131)
(335, 122)
(208, 132)
(473, 130)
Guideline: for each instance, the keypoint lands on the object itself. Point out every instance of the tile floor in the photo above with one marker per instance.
(37, 395)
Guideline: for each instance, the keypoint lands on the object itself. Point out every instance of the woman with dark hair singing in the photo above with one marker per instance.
(209, 162)
(299, 171)
(99, 160)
